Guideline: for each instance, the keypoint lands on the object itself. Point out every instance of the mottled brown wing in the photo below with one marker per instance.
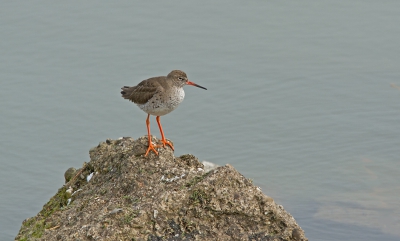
(142, 92)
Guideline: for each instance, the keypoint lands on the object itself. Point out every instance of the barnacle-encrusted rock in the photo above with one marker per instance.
(132, 197)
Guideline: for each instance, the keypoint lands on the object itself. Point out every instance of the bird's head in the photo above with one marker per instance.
(180, 77)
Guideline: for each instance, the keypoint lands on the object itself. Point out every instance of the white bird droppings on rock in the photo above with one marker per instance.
(116, 210)
(89, 177)
(173, 178)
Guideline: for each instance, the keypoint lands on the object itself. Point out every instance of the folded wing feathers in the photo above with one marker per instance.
(142, 92)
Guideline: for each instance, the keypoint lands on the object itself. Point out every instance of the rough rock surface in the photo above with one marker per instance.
(132, 197)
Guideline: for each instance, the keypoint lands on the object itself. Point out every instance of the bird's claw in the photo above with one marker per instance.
(151, 147)
(165, 142)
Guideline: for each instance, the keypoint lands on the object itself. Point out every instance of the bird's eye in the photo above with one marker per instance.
(181, 78)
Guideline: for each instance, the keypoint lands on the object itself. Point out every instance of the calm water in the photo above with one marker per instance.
(299, 99)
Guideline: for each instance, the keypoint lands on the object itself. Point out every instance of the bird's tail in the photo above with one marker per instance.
(126, 92)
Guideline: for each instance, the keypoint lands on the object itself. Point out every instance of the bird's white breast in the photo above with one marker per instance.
(163, 103)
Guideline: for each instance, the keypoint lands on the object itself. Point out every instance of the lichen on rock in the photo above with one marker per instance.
(132, 197)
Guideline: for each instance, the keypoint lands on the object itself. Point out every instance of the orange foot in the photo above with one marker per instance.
(151, 147)
(165, 142)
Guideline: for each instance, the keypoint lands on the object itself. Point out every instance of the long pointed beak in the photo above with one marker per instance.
(191, 83)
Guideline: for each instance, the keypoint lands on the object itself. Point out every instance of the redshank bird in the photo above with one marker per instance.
(158, 96)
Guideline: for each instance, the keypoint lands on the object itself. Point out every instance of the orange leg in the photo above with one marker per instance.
(164, 141)
(151, 147)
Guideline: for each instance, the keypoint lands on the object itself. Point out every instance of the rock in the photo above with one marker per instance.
(69, 174)
(163, 197)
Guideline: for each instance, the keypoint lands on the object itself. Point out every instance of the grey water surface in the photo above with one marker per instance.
(301, 98)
